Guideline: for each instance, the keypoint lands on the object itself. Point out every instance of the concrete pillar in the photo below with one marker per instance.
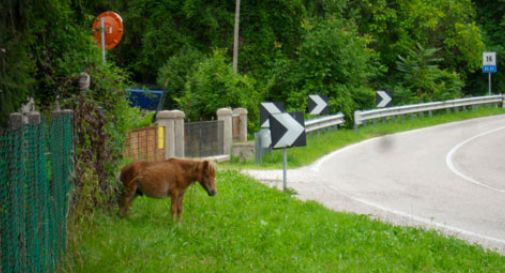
(241, 123)
(225, 114)
(173, 122)
(15, 121)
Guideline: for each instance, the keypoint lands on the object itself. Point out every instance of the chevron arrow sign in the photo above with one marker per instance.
(382, 99)
(267, 109)
(318, 105)
(287, 130)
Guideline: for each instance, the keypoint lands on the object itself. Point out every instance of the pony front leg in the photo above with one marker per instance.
(127, 198)
(176, 199)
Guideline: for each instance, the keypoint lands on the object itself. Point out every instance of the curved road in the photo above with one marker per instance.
(449, 177)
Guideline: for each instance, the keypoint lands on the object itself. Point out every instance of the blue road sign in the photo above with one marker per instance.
(489, 69)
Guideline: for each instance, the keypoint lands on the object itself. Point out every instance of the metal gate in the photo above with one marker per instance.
(204, 138)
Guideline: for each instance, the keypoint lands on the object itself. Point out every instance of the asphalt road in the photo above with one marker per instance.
(449, 177)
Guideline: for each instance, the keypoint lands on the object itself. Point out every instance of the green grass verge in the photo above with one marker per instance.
(248, 227)
(321, 144)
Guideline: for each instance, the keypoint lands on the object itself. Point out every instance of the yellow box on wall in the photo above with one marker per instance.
(161, 137)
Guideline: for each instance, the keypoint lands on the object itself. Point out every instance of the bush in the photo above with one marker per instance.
(333, 60)
(213, 85)
(173, 74)
(420, 74)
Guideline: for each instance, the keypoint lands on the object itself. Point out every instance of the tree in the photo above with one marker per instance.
(421, 75)
(396, 26)
(332, 60)
(492, 22)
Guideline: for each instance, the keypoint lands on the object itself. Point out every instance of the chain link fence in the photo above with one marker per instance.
(35, 176)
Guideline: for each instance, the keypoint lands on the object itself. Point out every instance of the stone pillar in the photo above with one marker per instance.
(225, 114)
(241, 113)
(15, 121)
(173, 122)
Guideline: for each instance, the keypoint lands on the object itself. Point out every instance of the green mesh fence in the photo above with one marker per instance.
(35, 168)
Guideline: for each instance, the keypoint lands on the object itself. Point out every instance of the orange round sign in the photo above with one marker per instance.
(113, 28)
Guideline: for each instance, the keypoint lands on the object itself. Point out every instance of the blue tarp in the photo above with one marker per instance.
(146, 99)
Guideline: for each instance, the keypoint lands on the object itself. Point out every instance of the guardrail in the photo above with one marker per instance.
(317, 124)
(360, 117)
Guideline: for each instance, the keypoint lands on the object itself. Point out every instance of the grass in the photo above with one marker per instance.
(319, 145)
(249, 227)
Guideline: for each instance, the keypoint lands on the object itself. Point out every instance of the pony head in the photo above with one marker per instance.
(208, 177)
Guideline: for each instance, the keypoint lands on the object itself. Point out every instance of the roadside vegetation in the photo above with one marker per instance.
(419, 50)
(248, 227)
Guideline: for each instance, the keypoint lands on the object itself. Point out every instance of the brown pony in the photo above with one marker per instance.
(165, 178)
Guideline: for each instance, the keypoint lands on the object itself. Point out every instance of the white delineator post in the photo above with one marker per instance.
(225, 114)
(173, 122)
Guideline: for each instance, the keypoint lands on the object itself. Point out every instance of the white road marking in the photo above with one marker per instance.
(418, 219)
(450, 163)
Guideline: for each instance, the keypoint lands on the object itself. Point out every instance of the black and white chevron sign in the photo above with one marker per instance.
(267, 109)
(318, 105)
(287, 130)
(382, 99)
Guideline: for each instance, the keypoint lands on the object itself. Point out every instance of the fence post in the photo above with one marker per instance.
(225, 114)
(173, 121)
(242, 123)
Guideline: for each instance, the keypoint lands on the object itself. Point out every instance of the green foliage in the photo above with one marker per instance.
(172, 76)
(268, 28)
(157, 30)
(43, 48)
(213, 85)
(102, 120)
(492, 24)
(332, 60)
(421, 75)
(397, 26)
(15, 81)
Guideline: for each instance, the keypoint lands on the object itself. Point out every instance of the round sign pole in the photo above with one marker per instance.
(102, 40)
(107, 30)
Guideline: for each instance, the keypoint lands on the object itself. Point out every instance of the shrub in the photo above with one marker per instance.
(333, 60)
(419, 72)
(213, 85)
(173, 74)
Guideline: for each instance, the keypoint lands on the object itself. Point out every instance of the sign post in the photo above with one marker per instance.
(102, 38)
(489, 66)
(287, 130)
